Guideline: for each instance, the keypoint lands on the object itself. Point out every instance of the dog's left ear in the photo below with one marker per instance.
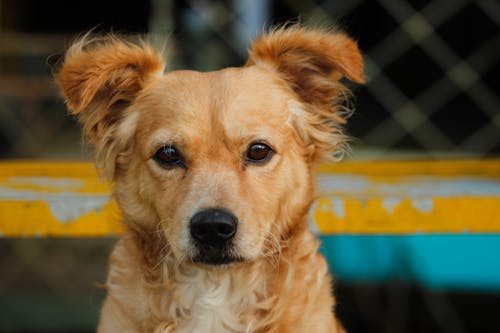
(312, 62)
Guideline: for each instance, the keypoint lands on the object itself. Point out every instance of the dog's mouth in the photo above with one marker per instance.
(216, 260)
(213, 256)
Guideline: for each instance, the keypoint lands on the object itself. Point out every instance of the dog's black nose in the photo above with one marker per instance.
(213, 226)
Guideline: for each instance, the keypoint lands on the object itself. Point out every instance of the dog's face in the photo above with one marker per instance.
(217, 153)
(219, 162)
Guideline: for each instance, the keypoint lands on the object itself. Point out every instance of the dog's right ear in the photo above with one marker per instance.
(101, 76)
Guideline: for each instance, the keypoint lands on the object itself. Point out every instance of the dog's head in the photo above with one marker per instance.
(219, 162)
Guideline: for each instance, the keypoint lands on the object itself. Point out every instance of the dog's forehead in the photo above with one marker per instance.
(239, 97)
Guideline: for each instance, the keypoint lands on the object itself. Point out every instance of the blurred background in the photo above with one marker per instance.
(432, 92)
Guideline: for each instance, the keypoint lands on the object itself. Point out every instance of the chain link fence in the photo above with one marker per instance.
(433, 92)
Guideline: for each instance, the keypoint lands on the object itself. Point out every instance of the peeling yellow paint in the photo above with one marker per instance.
(485, 167)
(27, 190)
(34, 219)
(84, 173)
(449, 215)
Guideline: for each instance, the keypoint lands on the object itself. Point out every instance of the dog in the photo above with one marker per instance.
(214, 176)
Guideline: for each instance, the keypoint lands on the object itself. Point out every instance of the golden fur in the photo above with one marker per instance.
(289, 96)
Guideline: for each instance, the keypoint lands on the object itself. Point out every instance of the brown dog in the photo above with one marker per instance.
(213, 173)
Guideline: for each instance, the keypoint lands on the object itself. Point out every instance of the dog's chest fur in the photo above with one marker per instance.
(205, 303)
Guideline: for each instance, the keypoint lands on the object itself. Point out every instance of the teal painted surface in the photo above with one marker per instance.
(456, 262)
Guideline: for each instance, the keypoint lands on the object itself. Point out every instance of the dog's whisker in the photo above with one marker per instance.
(272, 249)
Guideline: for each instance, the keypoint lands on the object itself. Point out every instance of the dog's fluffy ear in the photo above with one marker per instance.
(99, 78)
(312, 62)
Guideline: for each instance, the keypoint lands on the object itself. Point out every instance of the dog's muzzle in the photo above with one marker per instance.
(212, 231)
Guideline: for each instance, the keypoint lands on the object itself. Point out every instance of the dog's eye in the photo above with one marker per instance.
(168, 156)
(258, 153)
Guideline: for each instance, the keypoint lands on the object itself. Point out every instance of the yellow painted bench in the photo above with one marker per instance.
(68, 199)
